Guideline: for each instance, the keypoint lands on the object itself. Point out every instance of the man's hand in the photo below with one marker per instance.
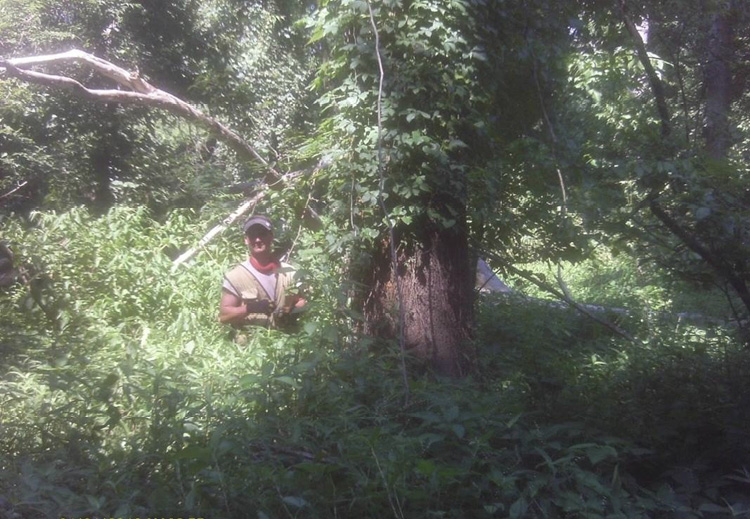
(294, 302)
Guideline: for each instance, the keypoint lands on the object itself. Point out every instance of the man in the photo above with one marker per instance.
(258, 291)
(9, 274)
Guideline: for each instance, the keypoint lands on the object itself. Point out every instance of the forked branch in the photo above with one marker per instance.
(137, 91)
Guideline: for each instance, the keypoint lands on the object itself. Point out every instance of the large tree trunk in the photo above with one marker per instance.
(103, 160)
(718, 83)
(437, 279)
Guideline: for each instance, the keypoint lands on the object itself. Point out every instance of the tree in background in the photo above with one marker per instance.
(657, 91)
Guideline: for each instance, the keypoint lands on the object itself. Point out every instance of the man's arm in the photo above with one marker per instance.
(231, 309)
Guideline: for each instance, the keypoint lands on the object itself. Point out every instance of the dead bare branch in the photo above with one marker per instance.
(246, 206)
(119, 75)
(249, 205)
(14, 189)
(139, 92)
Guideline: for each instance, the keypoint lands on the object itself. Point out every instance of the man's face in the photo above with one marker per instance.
(259, 239)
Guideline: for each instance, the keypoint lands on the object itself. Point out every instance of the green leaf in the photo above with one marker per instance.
(702, 213)
(286, 379)
(426, 467)
(598, 453)
(294, 501)
(518, 509)
(248, 381)
(451, 413)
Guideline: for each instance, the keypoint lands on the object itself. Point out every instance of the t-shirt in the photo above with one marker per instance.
(267, 281)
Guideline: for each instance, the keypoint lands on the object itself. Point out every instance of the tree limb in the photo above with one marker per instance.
(140, 92)
(563, 296)
(19, 186)
(721, 267)
(118, 75)
(724, 270)
(653, 78)
(246, 206)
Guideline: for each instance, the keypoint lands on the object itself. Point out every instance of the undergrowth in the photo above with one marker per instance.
(625, 283)
(123, 397)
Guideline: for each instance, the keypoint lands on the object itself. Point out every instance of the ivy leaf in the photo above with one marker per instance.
(248, 381)
(702, 213)
(286, 379)
(294, 501)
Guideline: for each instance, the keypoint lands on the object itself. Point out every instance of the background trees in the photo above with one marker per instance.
(687, 173)
(490, 116)
(461, 86)
(152, 158)
(607, 140)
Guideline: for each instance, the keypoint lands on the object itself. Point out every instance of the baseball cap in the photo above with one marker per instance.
(261, 220)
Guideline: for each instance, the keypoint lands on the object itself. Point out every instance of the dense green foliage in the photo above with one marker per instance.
(129, 399)
(547, 134)
(132, 400)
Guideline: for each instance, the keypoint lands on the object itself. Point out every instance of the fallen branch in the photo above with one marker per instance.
(249, 205)
(589, 309)
(570, 302)
(488, 280)
(139, 92)
(246, 206)
(15, 189)
(562, 296)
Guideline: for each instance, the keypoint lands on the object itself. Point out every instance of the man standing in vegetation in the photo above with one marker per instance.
(9, 274)
(257, 291)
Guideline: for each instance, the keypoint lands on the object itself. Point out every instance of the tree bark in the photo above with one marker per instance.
(653, 78)
(436, 273)
(718, 83)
